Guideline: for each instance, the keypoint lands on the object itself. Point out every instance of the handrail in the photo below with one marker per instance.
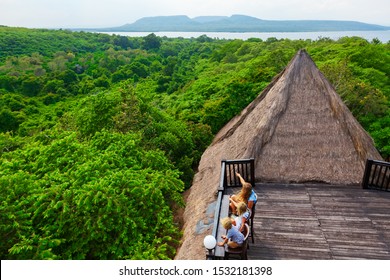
(221, 190)
(240, 165)
(246, 167)
(376, 175)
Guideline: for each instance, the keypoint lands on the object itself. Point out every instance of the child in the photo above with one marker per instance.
(234, 238)
(243, 216)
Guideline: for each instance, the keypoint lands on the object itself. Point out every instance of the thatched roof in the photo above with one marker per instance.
(298, 130)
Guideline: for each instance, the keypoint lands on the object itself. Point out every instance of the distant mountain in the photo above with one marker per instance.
(239, 23)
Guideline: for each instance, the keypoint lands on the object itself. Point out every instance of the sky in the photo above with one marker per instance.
(112, 13)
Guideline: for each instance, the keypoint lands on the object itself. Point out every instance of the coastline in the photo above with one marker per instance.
(382, 35)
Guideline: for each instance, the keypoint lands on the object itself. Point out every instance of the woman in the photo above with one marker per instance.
(246, 195)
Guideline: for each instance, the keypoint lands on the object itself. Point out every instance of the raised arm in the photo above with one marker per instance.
(241, 179)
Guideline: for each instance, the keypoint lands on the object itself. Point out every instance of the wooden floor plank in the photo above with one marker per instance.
(319, 221)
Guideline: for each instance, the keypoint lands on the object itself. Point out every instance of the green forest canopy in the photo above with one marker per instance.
(100, 134)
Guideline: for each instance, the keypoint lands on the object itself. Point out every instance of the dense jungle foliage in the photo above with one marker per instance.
(100, 134)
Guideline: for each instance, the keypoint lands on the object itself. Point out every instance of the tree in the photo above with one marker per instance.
(9, 83)
(95, 113)
(151, 42)
(9, 121)
(31, 86)
(54, 86)
(105, 198)
(102, 81)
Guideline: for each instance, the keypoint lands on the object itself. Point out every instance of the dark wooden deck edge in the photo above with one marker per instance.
(319, 221)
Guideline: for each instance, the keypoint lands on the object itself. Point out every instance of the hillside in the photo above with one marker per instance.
(100, 135)
(240, 23)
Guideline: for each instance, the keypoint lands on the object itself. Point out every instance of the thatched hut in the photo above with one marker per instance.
(298, 130)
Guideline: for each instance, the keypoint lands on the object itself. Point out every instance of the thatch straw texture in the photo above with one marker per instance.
(298, 130)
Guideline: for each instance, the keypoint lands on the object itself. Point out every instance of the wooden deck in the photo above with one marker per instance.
(318, 221)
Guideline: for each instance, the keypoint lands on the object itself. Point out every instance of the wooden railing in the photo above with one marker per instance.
(246, 167)
(377, 175)
(228, 179)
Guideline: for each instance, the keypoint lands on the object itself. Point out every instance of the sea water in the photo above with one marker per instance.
(383, 35)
